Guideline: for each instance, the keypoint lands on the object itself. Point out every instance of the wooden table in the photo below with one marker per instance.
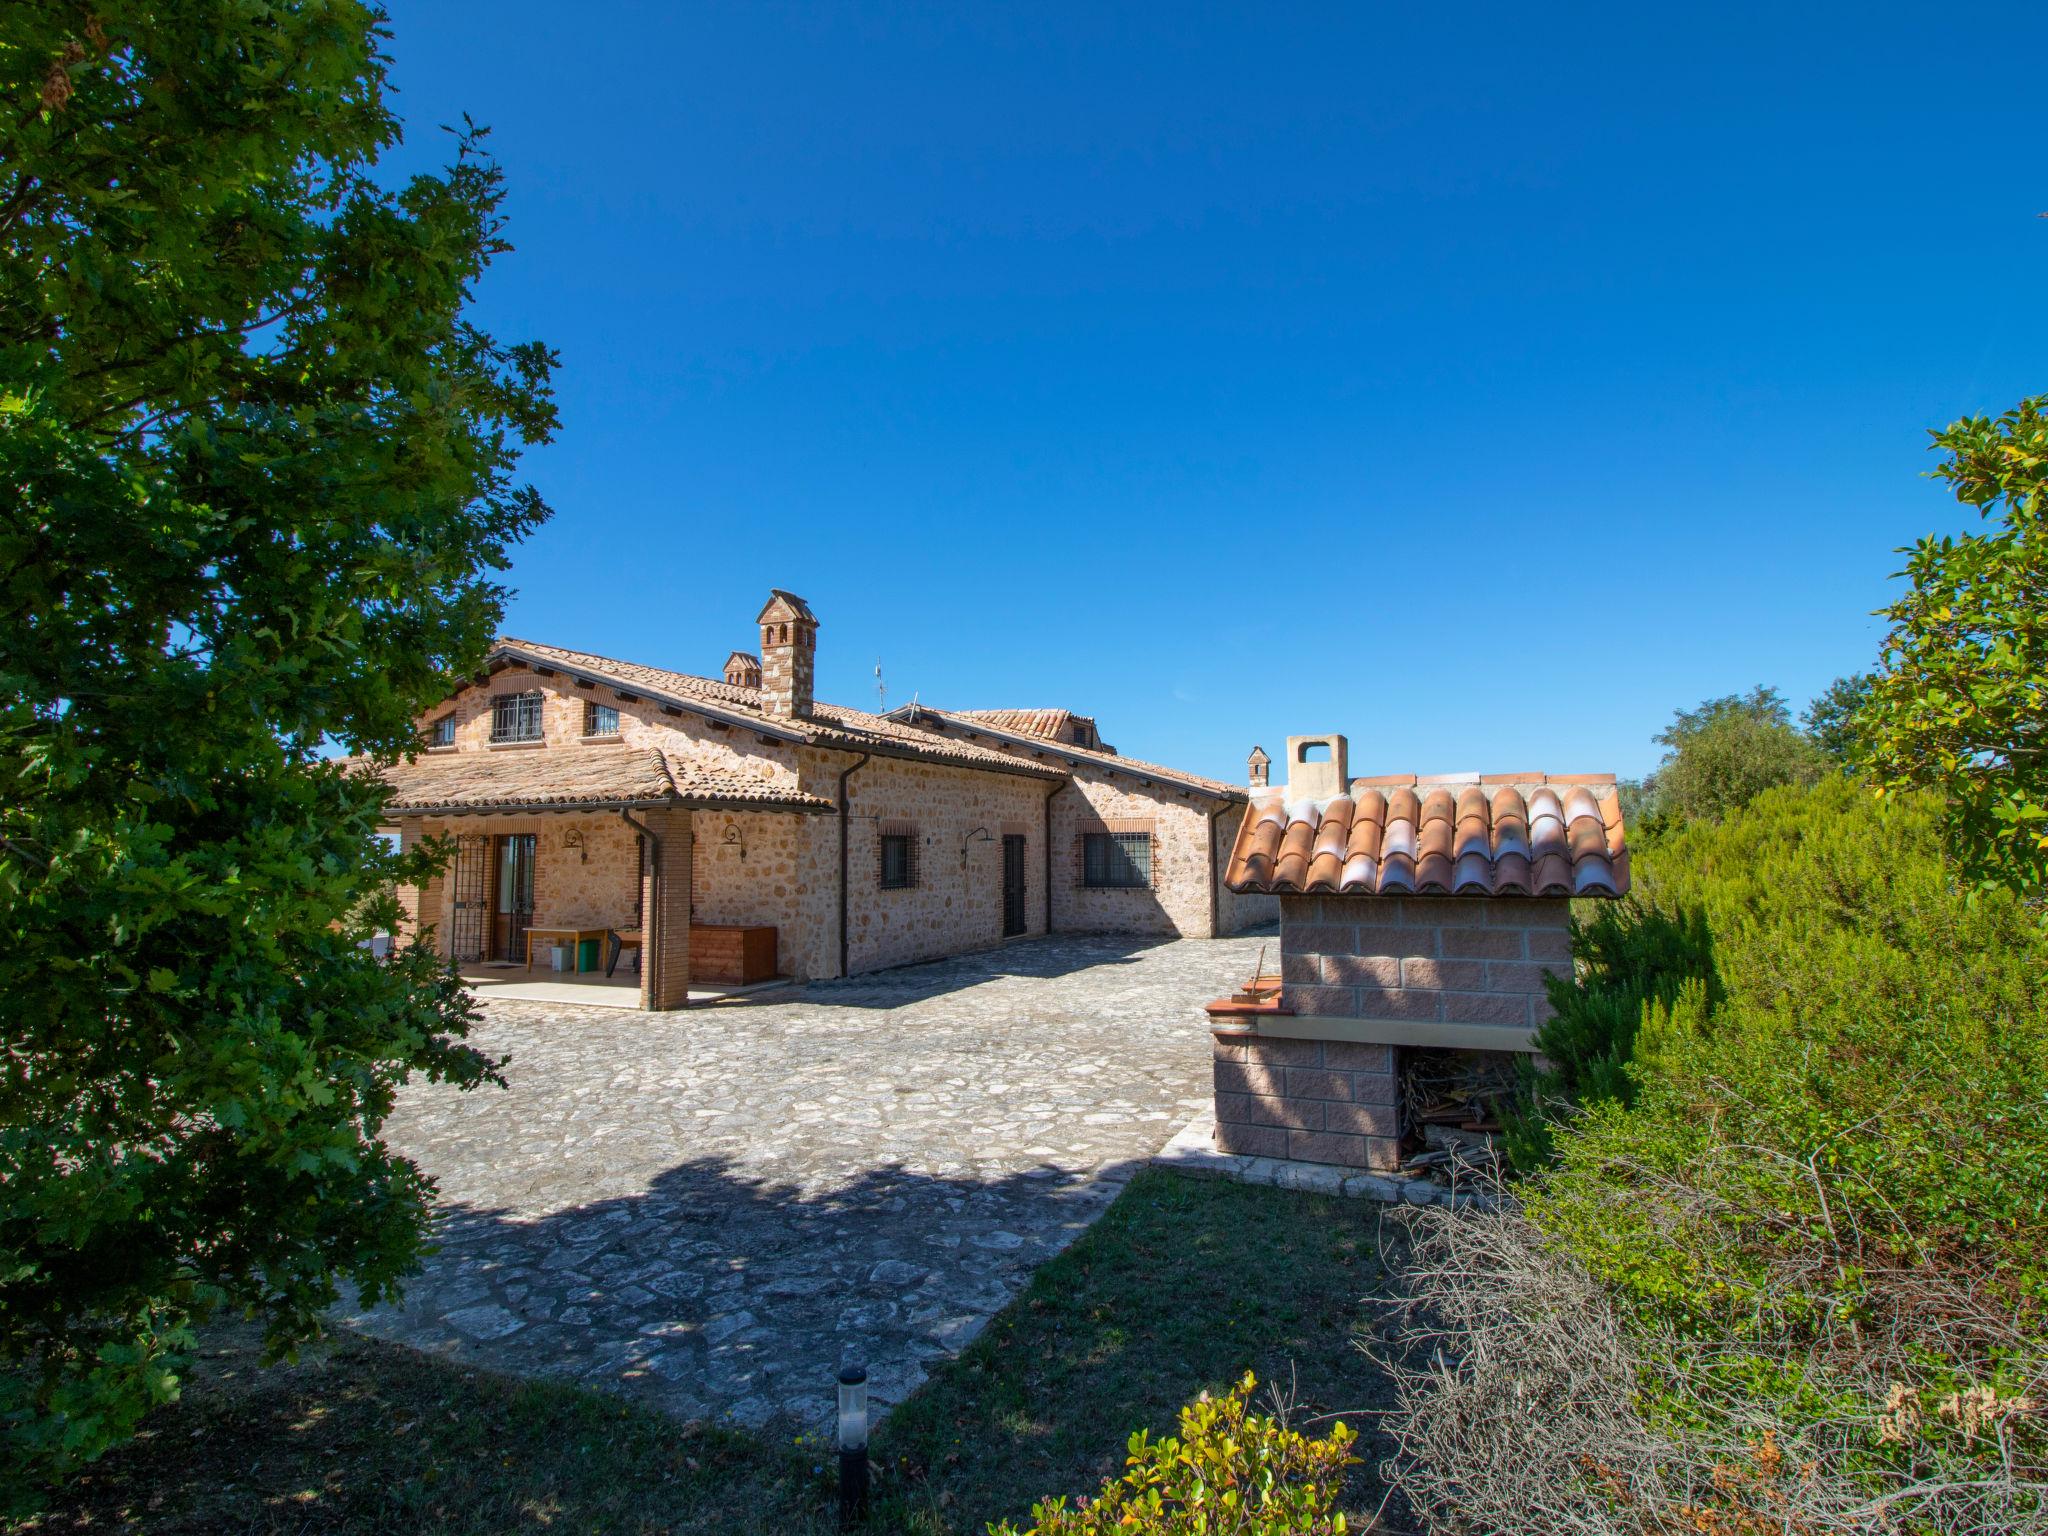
(575, 936)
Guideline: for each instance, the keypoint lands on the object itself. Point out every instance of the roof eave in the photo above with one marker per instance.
(531, 808)
(678, 802)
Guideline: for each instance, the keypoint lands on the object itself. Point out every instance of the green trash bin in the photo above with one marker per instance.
(586, 955)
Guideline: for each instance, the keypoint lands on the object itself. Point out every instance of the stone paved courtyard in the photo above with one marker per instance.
(708, 1209)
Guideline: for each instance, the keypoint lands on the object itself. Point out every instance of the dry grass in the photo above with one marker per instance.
(1527, 1403)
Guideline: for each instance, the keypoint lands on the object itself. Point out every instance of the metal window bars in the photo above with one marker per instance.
(1116, 860)
(516, 717)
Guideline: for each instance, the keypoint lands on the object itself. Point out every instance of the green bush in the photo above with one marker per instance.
(1849, 1133)
(1231, 1473)
(1643, 975)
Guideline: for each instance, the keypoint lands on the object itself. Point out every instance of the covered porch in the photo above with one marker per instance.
(640, 899)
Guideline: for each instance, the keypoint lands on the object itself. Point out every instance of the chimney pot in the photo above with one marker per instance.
(1317, 767)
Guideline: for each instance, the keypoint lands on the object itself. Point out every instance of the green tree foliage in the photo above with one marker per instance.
(1720, 756)
(255, 470)
(1231, 1472)
(1834, 720)
(1962, 705)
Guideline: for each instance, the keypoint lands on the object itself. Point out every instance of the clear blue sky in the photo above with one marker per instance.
(1483, 382)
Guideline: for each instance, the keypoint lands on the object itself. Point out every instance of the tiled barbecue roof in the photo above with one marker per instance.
(828, 725)
(1514, 834)
(462, 783)
(978, 720)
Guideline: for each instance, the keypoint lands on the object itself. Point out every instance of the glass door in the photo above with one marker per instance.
(514, 896)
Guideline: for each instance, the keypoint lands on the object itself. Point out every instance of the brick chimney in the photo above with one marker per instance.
(1316, 767)
(1257, 763)
(743, 669)
(789, 655)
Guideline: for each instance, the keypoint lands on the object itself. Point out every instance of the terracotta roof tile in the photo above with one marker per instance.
(1467, 834)
(829, 725)
(460, 783)
(979, 720)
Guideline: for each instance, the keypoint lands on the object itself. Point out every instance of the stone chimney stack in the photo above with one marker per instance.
(1258, 762)
(743, 669)
(1317, 768)
(789, 655)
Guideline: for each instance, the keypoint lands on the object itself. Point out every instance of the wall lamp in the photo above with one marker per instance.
(978, 835)
(732, 839)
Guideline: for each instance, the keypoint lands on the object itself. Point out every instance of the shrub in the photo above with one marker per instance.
(1860, 1094)
(1643, 975)
(1231, 1473)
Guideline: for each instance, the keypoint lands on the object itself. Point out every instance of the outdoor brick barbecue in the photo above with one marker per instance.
(1415, 913)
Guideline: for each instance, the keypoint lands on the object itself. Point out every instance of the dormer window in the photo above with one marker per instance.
(515, 717)
(442, 732)
(600, 719)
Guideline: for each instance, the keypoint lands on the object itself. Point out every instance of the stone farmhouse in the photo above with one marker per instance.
(1418, 917)
(722, 830)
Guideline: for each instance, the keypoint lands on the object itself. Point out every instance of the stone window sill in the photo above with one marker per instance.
(441, 751)
(514, 746)
(612, 740)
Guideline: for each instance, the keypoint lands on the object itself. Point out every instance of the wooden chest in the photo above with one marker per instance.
(720, 952)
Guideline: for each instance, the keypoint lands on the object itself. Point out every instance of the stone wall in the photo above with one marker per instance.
(733, 749)
(1237, 913)
(1186, 897)
(1317, 1101)
(748, 868)
(956, 903)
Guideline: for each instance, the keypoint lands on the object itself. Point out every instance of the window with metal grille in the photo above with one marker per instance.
(600, 719)
(899, 861)
(515, 717)
(442, 732)
(1116, 860)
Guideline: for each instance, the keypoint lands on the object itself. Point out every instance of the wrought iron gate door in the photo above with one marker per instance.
(469, 890)
(1013, 885)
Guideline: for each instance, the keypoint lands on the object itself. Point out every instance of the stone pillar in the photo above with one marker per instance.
(665, 910)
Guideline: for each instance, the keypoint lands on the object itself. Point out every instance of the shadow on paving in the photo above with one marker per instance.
(720, 1296)
(1183, 1285)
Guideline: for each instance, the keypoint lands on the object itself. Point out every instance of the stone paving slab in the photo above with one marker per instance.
(711, 1209)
